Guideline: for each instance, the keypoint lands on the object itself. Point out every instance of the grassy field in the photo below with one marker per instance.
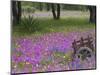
(50, 25)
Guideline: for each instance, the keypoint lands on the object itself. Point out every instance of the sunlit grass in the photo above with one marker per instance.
(61, 25)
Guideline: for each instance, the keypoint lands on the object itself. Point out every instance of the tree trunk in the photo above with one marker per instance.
(53, 11)
(48, 6)
(19, 11)
(40, 6)
(58, 11)
(16, 11)
(92, 10)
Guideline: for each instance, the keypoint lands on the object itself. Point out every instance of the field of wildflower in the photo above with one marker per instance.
(50, 51)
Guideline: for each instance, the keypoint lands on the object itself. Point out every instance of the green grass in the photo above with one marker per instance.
(61, 25)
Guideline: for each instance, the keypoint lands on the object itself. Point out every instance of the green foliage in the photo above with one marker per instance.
(28, 9)
(41, 26)
(26, 3)
(74, 7)
(44, 6)
(29, 24)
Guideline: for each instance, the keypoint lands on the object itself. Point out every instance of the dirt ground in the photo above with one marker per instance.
(64, 14)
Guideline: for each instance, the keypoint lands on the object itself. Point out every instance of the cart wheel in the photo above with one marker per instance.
(84, 53)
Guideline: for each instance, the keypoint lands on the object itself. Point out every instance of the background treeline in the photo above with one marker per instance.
(47, 6)
(19, 6)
